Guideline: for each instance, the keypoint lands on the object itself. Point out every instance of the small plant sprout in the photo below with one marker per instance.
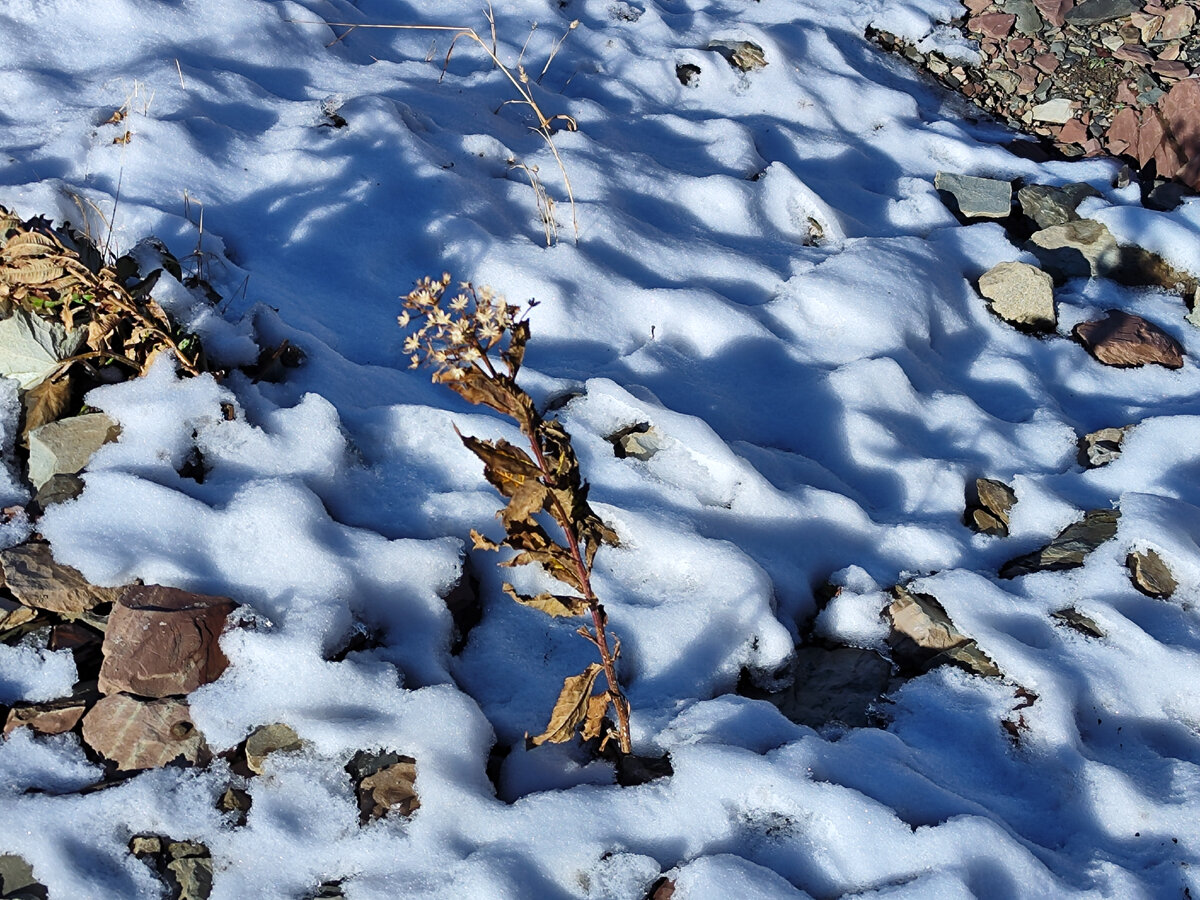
(476, 343)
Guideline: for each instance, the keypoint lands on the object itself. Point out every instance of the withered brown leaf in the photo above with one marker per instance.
(46, 402)
(570, 708)
(551, 604)
(593, 720)
(506, 466)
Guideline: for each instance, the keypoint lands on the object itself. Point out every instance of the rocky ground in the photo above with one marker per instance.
(1114, 77)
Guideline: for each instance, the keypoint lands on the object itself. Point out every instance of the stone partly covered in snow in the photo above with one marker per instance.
(988, 509)
(745, 56)
(163, 641)
(55, 717)
(37, 581)
(837, 685)
(923, 636)
(1101, 447)
(1150, 574)
(143, 734)
(973, 197)
(1085, 625)
(17, 880)
(639, 441)
(1123, 339)
(64, 447)
(268, 739)
(1069, 548)
(1083, 248)
(186, 866)
(1020, 294)
(1047, 206)
(384, 782)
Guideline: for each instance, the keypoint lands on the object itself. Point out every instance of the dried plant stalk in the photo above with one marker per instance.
(459, 336)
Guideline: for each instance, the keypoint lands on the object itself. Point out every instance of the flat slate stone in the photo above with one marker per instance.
(975, 197)
(65, 447)
(1083, 248)
(38, 581)
(1056, 111)
(1020, 294)
(1048, 206)
(143, 734)
(1095, 12)
(1070, 547)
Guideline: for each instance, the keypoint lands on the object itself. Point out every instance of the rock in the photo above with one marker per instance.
(1170, 69)
(639, 441)
(1150, 574)
(145, 845)
(688, 74)
(1083, 248)
(974, 197)
(17, 880)
(1165, 196)
(1056, 111)
(64, 447)
(143, 734)
(162, 641)
(1123, 339)
(1020, 294)
(1133, 53)
(1028, 21)
(1181, 110)
(384, 782)
(1096, 12)
(745, 56)
(45, 718)
(993, 25)
(1177, 23)
(1054, 11)
(36, 580)
(1141, 267)
(58, 489)
(192, 875)
(14, 615)
(1099, 448)
(1073, 618)
(238, 802)
(1048, 206)
(988, 509)
(1069, 548)
(924, 637)
(833, 685)
(1047, 62)
(268, 739)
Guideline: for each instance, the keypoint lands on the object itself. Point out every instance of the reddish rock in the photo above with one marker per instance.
(977, 6)
(1171, 51)
(1054, 11)
(1133, 53)
(1153, 9)
(45, 718)
(1181, 111)
(1123, 339)
(143, 734)
(1029, 79)
(1166, 68)
(1122, 134)
(1178, 22)
(1092, 147)
(1073, 132)
(1047, 62)
(1126, 94)
(1019, 45)
(162, 641)
(993, 25)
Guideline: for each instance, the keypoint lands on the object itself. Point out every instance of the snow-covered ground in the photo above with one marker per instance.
(822, 405)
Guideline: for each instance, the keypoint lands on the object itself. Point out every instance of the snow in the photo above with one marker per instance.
(765, 275)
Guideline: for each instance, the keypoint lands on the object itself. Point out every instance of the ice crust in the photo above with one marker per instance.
(765, 275)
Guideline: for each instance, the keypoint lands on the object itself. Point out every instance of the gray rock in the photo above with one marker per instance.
(1083, 248)
(1029, 20)
(17, 880)
(1150, 574)
(1101, 447)
(1056, 111)
(59, 489)
(639, 441)
(1069, 548)
(1008, 81)
(975, 197)
(1094, 12)
(833, 685)
(64, 447)
(1048, 206)
(1021, 294)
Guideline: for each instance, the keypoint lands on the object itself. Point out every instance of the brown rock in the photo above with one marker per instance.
(268, 739)
(45, 718)
(1171, 51)
(1123, 339)
(1150, 574)
(1178, 22)
(384, 782)
(1126, 93)
(1019, 45)
(1122, 134)
(1029, 79)
(162, 641)
(1054, 11)
(1134, 54)
(923, 636)
(143, 734)
(38, 581)
(14, 615)
(1147, 25)
(977, 6)
(993, 25)
(1181, 110)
